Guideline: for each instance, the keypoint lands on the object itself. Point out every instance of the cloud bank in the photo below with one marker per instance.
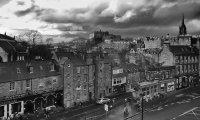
(69, 18)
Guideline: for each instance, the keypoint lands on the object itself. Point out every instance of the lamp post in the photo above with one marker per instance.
(142, 104)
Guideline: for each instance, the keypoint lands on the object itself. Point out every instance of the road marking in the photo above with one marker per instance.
(172, 103)
(185, 113)
(166, 105)
(179, 95)
(196, 97)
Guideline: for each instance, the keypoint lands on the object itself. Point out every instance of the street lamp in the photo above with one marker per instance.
(142, 104)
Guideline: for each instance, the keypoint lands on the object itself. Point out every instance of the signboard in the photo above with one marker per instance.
(170, 86)
(105, 107)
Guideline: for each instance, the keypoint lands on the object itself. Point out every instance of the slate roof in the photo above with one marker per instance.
(76, 59)
(161, 68)
(8, 70)
(130, 68)
(3, 36)
(12, 46)
(152, 50)
(183, 50)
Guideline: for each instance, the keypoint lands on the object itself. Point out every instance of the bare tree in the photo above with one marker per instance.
(49, 40)
(32, 36)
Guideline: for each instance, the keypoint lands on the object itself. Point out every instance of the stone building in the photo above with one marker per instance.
(133, 76)
(185, 59)
(103, 72)
(26, 86)
(11, 50)
(119, 81)
(78, 77)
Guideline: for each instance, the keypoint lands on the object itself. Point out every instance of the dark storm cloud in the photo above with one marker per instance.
(24, 12)
(145, 19)
(77, 16)
(20, 3)
(69, 28)
(3, 2)
(156, 16)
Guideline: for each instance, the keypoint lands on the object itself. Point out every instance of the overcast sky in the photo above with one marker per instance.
(68, 19)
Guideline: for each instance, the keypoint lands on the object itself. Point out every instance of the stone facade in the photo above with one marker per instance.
(24, 91)
(102, 85)
(78, 81)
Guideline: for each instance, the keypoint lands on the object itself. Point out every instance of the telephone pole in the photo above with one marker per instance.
(142, 105)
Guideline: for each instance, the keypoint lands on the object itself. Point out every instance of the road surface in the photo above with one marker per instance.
(165, 112)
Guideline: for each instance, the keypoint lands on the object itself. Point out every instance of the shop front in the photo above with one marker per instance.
(9, 107)
(19, 104)
(167, 86)
(170, 86)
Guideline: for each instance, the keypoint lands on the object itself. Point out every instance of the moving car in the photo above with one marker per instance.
(103, 100)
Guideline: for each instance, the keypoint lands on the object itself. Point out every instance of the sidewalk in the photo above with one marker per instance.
(78, 111)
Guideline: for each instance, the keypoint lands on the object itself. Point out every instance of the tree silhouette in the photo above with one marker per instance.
(31, 36)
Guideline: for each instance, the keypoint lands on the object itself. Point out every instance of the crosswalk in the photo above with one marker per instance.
(192, 114)
(187, 100)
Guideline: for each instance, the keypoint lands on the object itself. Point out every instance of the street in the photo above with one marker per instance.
(167, 111)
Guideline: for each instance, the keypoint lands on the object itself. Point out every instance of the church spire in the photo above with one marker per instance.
(183, 21)
(182, 28)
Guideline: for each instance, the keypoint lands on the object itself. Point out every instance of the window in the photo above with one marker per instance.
(16, 107)
(18, 70)
(181, 70)
(78, 95)
(109, 90)
(167, 74)
(177, 59)
(155, 90)
(1, 111)
(12, 85)
(31, 69)
(28, 83)
(115, 82)
(163, 75)
(41, 83)
(188, 68)
(78, 85)
(185, 59)
(143, 89)
(181, 60)
(185, 68)
(54, 81)
(52, 67)
(78, 70)
(84, 87)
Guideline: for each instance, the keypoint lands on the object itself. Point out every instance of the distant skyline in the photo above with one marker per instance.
(66, 20)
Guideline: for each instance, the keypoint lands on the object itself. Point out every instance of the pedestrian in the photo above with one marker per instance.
(113, 100)
(125, 100)
(126, 111)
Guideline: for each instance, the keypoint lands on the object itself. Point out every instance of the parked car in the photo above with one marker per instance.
(103, 100)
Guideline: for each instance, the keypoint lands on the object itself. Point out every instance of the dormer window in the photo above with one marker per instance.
(18, 70)
(20, 58)
(52, 67)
